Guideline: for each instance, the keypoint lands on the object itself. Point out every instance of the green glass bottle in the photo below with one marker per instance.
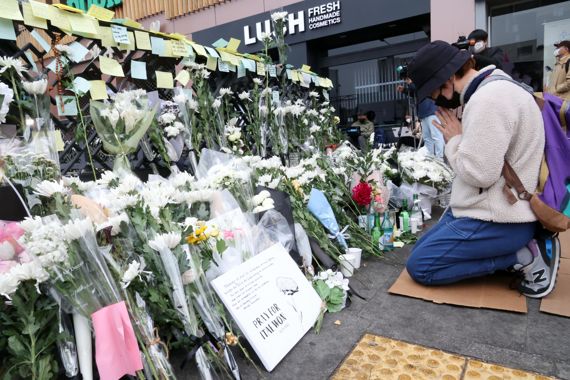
(376, 230)
(387, 233)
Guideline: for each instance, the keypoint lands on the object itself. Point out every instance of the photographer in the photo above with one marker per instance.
(484, 55)
(366, 129)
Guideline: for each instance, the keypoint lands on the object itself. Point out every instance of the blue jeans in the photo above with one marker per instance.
(433, 139)
(459, 248)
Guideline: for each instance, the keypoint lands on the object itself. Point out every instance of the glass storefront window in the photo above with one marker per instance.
(526, 31)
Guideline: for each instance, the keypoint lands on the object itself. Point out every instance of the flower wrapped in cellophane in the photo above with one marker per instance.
(121, 124)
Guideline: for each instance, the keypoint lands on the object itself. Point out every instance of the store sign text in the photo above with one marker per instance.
(317, 17)
(84, 5)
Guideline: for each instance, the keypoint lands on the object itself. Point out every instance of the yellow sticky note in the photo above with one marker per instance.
(260, 68)
(59, 144)
(58, 19)
(164, 79)
(106, 36)
(179, 49)
(68, 8)
(306, 68)
(233, 44)
(226, 57)
(183, 77)
(199, 49)
(143, 40)
(110, 67)
(294, 76)
(30, 19)
(83, 24)
(131, 23)
(101, 13)
(131, 45)
(40, 10)
(98, 90)
(234, 60)
(167, 49)
(10, 10)
(212, 63)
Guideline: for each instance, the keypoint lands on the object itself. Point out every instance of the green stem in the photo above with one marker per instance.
(82, 121)
(17, 94)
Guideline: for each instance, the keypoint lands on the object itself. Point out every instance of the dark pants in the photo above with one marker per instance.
(459, 248)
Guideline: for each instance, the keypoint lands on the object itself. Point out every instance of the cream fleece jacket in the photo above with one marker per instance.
(501, 120)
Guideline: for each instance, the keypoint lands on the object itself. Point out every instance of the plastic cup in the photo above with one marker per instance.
(346, 265)
(357, 253)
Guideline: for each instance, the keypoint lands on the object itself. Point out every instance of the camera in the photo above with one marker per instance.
(463, 43)
(402, 71)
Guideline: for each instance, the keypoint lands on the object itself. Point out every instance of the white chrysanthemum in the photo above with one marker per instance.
(263, 110)
(216, 104)
(244, 95)
(180, 99)
(259, 198)
(8, 94)
(205, 73)
(257, 81)
(162, 241)
(167, 118)
(38, 87)
(225, 91)
(114, 222)
(181, 179)
(265, 36)
(313, 94)
(279, 16)
(49, 188)
(171, 131)
(77, 228)
(131, 273)
(267, 204)
(129, 183)
(9, 62)
(314, 128)
(193, 105)
(107, 177)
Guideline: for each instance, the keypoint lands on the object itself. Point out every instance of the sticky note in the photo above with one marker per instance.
(52, 66)
(30, 19)
(138, 70)
(131, 45)
(240, 70)
(223, 66)
(10, 10)
(294, 76)
(183, 77)
(306, 68)
(106, 36)
(249, 64)
(82, 24)
(37, 36)
(69, 105)
(130, 23)
(232, 67)
(212, 52)
(272, 70)
(167, 49)
(78, 51)
(179, 48)
(157, 45)
(110, 67)
(98, 90)
(275, 96)
(200, 50)
(143, 40)
(58, 18)
(260, 68)
(220, 43)
(225, 56)
(233, 44)
(40, 10)
(100, 13)
(164, 79)
(59, 143)
(212, 63)
(289, 74)
(120, 34)
(68, 8)
(81, 85)
(7, 31)
(188, 60)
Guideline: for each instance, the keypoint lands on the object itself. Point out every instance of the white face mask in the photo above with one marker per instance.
(478, 47)
(557, 52)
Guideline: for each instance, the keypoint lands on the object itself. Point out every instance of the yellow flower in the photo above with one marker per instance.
(336, 120)
(214, 232)
(297, 186)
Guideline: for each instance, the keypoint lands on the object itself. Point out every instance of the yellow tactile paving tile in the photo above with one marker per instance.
(379, 358)
(477, 370)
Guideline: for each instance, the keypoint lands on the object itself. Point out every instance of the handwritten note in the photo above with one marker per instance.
(120, 34)
(81, 85)
(241, 70)
(131, 45)
(164, 79)
(212, 52)
(110, 67)
(260, 68)
(200, 50)
(106, 36)
(179, 48)
(40, 10)
(223, 66)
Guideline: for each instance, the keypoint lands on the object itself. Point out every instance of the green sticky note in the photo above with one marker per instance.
(183, 77)
(7, 31)
(138, 70)
(69, 107)
(10, 10)
(158, 45)
(221, 43)
(100, 13)
(212, 63)
(143, 40)
(110, 67)
(164, 79)
(30, 19)
(212, 52)
(98, 90)
(241, 70)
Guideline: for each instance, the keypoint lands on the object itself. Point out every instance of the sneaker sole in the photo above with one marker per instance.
(552, 284)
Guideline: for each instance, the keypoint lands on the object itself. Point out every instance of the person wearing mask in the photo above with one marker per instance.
(484, 55)
(366, 128)
(559, 83)
(482, 232)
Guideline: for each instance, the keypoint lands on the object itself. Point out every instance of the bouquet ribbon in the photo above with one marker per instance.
(342, 233)
(116, 349)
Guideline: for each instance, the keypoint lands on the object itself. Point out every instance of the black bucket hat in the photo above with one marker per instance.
(433, 64)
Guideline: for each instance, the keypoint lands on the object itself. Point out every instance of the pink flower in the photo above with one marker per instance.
(228, 234)
(5, 266)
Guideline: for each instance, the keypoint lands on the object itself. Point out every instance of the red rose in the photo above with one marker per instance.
(362, 194)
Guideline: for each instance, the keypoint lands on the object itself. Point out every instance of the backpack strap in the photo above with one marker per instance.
(493, 78)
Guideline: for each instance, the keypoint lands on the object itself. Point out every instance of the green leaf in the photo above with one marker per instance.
(322, 289)
(31, 329)
(16, 346)
(221, 246)
(336, 296)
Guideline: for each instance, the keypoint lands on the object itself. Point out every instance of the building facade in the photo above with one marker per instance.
(360, 43)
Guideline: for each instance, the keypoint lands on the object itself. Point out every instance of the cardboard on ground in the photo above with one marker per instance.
(490, 292)
(558, 302)
(272, 302)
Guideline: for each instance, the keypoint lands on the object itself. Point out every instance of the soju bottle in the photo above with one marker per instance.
(416, 218)
(404, 217)
(376, 230)
(387, 233)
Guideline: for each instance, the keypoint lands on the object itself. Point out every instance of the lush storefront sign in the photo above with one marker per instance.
(86, 4)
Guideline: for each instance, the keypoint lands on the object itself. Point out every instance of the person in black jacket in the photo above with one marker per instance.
(484, 55)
